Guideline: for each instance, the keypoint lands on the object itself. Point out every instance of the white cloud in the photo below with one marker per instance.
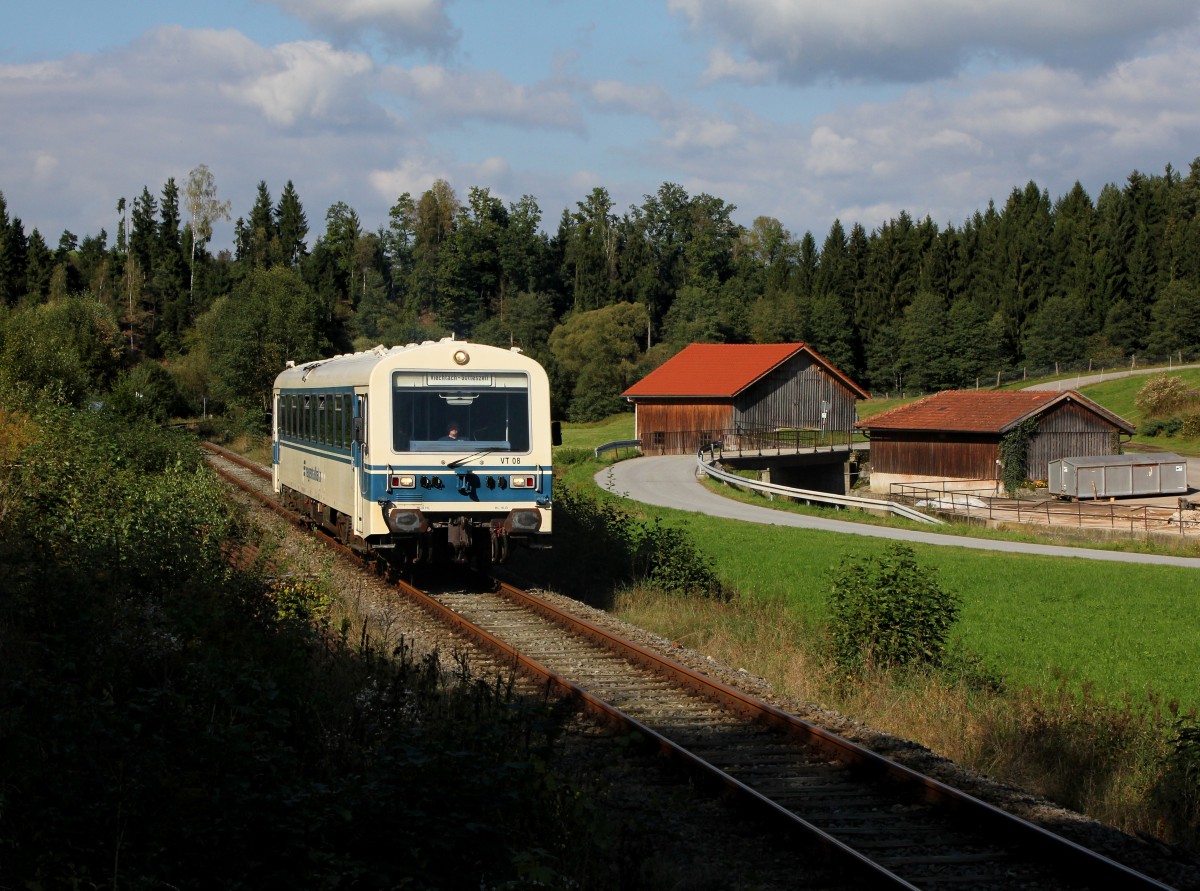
(412, 175)
(447, 95)
(303, 81)
(400, 24)
(649, 100)
(723, 66)
(915, 40)
(946, 148)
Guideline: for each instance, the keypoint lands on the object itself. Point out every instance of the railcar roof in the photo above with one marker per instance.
(356, 368)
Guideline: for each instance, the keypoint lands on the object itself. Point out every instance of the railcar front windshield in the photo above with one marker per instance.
(454, 411)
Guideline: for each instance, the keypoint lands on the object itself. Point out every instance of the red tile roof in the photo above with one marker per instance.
(722, 370)
(980, 411)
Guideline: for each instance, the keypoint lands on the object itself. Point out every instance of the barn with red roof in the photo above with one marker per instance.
(711, 390)
(956, 435)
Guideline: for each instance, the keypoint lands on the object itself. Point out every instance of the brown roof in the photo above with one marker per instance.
(722, 370)
(981, 411)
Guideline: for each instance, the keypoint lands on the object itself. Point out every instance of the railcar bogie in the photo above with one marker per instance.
(432, 452)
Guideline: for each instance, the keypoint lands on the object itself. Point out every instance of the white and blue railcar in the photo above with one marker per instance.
(431, 451)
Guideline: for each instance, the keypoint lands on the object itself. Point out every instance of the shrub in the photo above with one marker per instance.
(573, 455)
(158, 706)
(888, 612)
(599, 545)
(1161, 395)
(1189, 425)
(1178, 790)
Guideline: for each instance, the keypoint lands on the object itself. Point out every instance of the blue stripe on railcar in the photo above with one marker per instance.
(307, 447)
(479, 486)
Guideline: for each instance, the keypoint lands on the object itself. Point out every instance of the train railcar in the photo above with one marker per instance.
(431, 452)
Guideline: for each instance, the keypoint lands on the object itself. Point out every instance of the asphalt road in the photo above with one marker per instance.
(670, 481)
(1082, 380)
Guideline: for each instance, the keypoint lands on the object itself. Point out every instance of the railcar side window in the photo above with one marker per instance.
(306, 424)
(456, 411)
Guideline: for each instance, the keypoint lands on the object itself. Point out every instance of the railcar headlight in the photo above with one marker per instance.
(461, 357)
(402, 481)
(522, 520)
(523, 482)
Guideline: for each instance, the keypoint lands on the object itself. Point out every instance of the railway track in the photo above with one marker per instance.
(884, 823)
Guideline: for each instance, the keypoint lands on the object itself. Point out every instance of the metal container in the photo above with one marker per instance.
(1117, 476)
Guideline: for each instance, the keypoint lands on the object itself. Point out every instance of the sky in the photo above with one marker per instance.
(806, 111)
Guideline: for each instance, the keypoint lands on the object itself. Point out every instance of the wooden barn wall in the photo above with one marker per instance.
(791, 396)
(1067, 431)
(674, 426)
(939, 455)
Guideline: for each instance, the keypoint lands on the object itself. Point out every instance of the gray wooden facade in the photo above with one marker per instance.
(682, 407)
(799, 393)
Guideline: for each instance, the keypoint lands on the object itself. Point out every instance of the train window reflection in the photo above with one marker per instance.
(484, 412)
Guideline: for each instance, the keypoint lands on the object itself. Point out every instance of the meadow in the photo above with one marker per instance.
(1117, 629)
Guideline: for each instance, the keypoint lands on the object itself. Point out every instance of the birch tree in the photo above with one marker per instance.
(204, 210)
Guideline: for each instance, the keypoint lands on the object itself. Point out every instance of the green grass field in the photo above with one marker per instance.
(1114, 626)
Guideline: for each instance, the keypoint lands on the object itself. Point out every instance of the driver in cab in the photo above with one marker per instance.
(453, 432)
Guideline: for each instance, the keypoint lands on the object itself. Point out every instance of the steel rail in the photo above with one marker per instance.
(867, 763)
(1083, 861)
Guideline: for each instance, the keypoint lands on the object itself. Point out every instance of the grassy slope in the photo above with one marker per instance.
(1117, 626)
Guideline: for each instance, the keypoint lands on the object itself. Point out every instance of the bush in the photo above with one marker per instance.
(888, 612)
(147, 391)
(1161, 395)
(1178, 790)
(158, 706)
(1189, 425)
(599, 545)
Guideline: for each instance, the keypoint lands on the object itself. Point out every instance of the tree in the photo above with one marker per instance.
(257, 238)
(591, 251)
(203, 209)
(67, 350)
(292, 226)
(433, 231)
(39, 269)
(527, 323)
(598, 351)
(1175, 319)
(270, 317)
(924, 360)
(708, 252)
(342, 233)
(168, 274)
(14, 257)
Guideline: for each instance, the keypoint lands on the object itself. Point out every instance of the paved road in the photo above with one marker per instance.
(1083, 380)
(670, 481)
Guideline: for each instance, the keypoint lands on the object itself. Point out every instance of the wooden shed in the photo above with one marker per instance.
(709, 391)
(955, 435)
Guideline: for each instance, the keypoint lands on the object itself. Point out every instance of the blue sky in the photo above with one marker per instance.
(801, 110)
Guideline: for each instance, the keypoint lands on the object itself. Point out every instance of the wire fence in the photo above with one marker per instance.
(983, 505)
(1066, 371)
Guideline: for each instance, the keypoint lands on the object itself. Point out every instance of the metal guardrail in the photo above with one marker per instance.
(618, 444)
(893, 507)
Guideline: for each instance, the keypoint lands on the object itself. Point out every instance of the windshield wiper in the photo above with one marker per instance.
(459, 462)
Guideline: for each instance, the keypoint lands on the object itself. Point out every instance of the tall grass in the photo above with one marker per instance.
(1073, 678)
(1103, 758)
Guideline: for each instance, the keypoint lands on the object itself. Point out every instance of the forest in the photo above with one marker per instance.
(158, 322)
